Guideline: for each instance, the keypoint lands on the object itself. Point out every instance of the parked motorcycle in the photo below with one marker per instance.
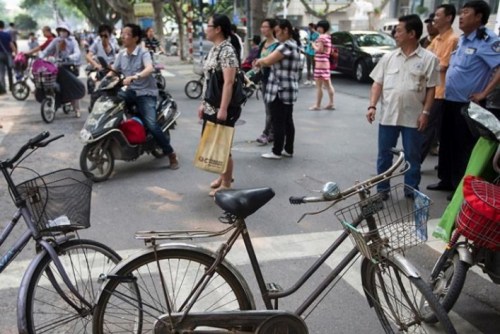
(108, 137)
(475, 240)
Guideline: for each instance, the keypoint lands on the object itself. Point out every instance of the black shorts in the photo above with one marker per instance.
(233, 114)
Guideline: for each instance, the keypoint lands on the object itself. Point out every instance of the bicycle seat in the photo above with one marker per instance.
(243, 202)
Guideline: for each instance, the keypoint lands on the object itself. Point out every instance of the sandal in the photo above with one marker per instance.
(217, 183)
(222, 187)
(314, 108)
(329, 107)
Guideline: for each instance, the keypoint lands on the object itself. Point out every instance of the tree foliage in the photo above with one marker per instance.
(325, 11)
(25, 22)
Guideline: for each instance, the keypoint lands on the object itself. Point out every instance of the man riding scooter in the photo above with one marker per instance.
(136, 64)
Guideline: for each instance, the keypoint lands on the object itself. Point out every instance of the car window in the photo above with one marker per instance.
(341, 38)
(374, 40)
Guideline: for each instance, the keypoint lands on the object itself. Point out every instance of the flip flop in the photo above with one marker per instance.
(329, 108)
(314, 108)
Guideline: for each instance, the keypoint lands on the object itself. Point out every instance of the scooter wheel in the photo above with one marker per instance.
(20, 91)
(48, 110)
(98, 161)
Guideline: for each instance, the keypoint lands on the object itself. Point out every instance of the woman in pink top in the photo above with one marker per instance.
(323, 47)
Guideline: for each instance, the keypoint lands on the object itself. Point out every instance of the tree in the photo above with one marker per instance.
(325, 12)
(124, 8)
(25, 22)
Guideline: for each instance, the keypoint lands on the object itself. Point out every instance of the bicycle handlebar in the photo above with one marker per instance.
(389, 173)
(35, 142)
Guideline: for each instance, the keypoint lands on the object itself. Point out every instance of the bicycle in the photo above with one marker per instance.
(182, 288)
(21, 89)
(194, 88)
(59, 286)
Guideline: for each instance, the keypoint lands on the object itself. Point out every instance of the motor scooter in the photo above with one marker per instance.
(474, 239)
(104, 137)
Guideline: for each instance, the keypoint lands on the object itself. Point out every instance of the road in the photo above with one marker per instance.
(334, 145)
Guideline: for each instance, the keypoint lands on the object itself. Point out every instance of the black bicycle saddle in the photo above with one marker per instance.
(243, 202)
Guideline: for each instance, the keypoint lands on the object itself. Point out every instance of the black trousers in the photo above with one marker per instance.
(456, 144)
(431, 132)
(284, 129)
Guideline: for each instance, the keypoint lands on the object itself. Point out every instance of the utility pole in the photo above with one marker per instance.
(285, 9)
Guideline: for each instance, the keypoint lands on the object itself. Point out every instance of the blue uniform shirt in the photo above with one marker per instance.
(471, 66)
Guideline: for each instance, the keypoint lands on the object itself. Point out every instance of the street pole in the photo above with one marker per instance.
(249, 25)
(285, 9)
(190, 31)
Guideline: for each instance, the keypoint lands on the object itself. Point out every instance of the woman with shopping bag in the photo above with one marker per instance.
(222, 59)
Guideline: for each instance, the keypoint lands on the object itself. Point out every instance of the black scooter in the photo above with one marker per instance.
(103, 137)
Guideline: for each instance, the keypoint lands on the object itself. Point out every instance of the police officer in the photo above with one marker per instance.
(470, 77)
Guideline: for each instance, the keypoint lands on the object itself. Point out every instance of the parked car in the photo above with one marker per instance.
(360, 51)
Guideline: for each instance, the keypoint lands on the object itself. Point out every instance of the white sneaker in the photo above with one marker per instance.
(307, 83)
(271, 156)
(286, 154)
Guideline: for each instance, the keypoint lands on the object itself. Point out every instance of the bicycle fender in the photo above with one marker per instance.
(464, 255)
(23, 291)
(193, 248)
(404, 264)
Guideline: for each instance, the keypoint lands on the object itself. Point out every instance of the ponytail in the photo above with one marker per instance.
(235, 42)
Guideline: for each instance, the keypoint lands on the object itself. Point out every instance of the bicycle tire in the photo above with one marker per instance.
(449, 281)
(193, 89)
(44, 309)
(20, 90)
(48, 110)
(125, 307)
(401, 302)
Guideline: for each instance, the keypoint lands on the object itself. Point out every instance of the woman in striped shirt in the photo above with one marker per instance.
(323, 47)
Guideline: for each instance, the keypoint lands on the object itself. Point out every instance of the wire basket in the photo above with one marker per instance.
(44, 80)
(475, 225)
(59, 201)
(400, 221)
(198, 68)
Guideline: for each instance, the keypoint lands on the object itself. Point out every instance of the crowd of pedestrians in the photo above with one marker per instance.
(418, 90)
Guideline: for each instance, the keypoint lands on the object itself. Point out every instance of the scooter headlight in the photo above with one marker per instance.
(85, 135)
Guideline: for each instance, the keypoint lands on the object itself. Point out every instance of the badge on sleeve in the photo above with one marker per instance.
(496, 47)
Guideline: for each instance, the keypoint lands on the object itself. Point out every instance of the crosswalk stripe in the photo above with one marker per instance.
(286, 247)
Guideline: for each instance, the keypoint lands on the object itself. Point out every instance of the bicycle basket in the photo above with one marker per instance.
(478, 217)
(59, 201)
(198, 68)
(401, 221)
(44, 80)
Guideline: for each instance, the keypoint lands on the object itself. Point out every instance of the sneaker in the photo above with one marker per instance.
(271, 156)
(262, 140)
(286, 154)
(78, 114)
(307, 83)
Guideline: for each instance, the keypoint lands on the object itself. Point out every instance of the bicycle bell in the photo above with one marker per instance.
(330, 191)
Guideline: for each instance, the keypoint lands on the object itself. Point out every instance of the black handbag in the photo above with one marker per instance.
(215, 82)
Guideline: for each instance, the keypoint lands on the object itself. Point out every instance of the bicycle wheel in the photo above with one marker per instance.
(44, 309)
(48, 109)
(401, 302)
(133, 299)
(193, 89)
(20, 91)
(447, 282)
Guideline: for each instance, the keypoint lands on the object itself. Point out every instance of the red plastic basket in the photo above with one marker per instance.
(472, 222)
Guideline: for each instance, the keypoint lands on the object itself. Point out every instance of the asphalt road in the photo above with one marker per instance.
(334, 145)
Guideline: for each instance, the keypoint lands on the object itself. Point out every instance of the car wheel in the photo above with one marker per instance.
(361, 71)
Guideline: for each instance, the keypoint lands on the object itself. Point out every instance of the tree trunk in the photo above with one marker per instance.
(124, 8)
(179, 19)
(158, 17)
(258, 14)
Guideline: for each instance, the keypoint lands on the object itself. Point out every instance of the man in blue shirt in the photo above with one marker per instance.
(7, 47)
(137, 66)
(471, 76)
(312, 36)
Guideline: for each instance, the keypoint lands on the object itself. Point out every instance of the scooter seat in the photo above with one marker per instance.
(243, 202)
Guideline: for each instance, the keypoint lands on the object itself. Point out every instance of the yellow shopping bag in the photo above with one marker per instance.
(213, 151)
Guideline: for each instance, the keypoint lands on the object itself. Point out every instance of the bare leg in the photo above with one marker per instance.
(227, 176)
(331, 92)
(76, 107)
(319, 95)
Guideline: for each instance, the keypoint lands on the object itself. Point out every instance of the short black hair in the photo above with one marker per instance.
(449, 10)
(256, 39)
(323, 24)
(136, 31)
(103, 28)
(480, 7)
(413, 22)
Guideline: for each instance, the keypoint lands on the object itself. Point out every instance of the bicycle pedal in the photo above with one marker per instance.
(273, 287)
